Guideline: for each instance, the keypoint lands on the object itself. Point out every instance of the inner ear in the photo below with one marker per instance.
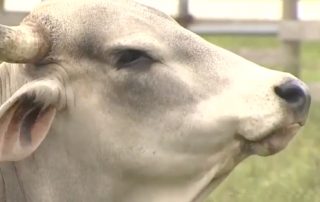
(23, 126)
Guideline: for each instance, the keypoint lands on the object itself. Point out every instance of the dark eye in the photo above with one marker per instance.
(130, 57)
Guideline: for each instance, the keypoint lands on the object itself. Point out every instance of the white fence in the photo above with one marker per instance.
(292, 20)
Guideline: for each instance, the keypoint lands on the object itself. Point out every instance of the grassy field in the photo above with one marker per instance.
(310, 52)
(291, 176)
(294, 174)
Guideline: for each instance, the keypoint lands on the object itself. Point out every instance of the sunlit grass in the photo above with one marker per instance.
(291, 176)
(243, 41)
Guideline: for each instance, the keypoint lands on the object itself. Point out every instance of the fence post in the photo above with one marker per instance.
(184, 17)
(291, 48)
(1, 5)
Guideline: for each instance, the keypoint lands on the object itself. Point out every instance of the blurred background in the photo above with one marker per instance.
(278, 34)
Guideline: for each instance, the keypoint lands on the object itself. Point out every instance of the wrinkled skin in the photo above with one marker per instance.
(167, 127)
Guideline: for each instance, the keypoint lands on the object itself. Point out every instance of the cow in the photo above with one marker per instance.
(113, 101)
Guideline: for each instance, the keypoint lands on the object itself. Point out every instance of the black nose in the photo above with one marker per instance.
(296, 95)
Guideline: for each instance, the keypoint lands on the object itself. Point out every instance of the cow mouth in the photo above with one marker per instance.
(273, 142)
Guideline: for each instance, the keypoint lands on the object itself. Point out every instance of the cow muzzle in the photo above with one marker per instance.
(296, 99)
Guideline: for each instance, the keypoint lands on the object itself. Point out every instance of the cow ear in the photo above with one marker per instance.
(24, 123)
(22, 128)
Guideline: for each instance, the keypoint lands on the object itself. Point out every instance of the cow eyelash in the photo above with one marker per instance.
(129, 57)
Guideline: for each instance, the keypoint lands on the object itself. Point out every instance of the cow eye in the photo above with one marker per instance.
(130, 57)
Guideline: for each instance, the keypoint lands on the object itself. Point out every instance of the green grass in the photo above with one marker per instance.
(291, 176)
(310, 52)
(310, 60)
(237, 42)
(294, 174)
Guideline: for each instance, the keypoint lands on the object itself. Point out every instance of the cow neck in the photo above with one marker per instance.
(11, 187)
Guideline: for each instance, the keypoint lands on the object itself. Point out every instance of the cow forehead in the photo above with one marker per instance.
(96, 21)
(100, 12)
(92, 25)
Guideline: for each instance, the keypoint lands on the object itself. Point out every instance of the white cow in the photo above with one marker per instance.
(113, 101)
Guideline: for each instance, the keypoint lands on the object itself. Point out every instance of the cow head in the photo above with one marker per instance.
(114, 101)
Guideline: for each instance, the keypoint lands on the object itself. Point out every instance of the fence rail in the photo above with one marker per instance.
(286, 30)
(290, 30)
(236, 27)
(11, 18)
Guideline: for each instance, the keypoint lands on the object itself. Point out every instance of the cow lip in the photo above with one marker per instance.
(274, 141)
(277, 130)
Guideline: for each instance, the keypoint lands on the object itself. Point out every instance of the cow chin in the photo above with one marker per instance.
(273, 142)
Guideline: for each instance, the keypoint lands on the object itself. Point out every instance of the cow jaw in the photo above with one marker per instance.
(274, 141)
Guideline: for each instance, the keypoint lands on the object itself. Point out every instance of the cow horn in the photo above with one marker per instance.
(22, 44)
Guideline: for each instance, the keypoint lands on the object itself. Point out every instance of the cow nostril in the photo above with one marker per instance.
(290, 93)
(295, 94)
